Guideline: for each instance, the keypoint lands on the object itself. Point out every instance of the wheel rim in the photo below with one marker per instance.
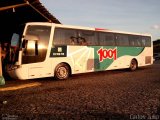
(62, 72)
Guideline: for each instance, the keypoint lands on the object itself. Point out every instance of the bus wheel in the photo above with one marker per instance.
(133, 65)
(62, 71)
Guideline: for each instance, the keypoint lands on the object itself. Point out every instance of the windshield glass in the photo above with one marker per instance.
(36, 43)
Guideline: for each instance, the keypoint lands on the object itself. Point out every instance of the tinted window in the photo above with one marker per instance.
(74, 37)
(64, 37)
(36, 50)
(122, 40)
(135, 40)
(87, 38)
(106, 39)
(146, 41)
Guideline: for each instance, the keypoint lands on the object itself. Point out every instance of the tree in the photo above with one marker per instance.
(156, 46)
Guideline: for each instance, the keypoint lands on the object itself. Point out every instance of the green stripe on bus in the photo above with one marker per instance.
(132, 51)
(103, 62)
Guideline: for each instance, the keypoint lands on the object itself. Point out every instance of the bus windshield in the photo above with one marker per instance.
(35, 44)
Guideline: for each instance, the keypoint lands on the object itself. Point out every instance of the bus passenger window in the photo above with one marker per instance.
(143, 42)
(86, 37)
(82, 41)
(135, 40)
(131, 40)
(64, 36)
(122, 40)
(138, 41)
(146, 41)
(106, 39)
(73, 40)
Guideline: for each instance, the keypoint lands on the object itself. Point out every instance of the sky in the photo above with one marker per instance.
(140, 16)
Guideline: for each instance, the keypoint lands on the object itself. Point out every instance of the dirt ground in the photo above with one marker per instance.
(117, 95)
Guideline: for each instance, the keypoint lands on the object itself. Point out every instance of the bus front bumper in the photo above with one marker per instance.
(17, 72)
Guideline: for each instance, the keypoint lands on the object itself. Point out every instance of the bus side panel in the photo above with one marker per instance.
(113, 57)
(39, 70)
(98, 58)
(59, 54)
(146, 57)
(82, 57)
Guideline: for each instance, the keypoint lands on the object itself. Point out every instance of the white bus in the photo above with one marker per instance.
(55, 50)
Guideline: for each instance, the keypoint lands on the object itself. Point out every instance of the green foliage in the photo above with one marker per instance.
(156, 46)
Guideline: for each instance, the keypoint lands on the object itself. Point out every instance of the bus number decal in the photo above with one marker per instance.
(107, 54)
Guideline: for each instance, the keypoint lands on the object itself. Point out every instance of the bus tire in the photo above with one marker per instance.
(62, 71)
(133, 65)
